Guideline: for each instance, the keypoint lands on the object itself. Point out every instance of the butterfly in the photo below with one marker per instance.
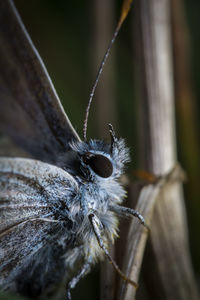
(59, 210)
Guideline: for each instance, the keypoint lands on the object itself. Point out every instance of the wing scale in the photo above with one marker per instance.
(29, 192)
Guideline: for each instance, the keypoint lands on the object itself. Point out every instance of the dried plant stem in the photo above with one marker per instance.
(172, 276)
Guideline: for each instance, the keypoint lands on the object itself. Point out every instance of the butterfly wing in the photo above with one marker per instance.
(30, 110)
(30, 193)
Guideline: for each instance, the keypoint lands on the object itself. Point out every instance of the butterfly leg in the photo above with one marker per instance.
(73, 282)
(128, 212)
(98, 228)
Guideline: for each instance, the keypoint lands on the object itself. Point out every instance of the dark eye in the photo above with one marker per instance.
(100, 164)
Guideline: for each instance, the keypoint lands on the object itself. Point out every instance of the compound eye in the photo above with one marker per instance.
(100, 164)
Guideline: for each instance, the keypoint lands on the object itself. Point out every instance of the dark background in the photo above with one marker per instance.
(64, 34)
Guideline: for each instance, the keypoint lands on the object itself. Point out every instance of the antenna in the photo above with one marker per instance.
(124, 11)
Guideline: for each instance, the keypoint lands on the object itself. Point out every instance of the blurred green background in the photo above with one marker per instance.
(66, 38)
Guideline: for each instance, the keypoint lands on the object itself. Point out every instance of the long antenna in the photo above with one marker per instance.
(124, 11)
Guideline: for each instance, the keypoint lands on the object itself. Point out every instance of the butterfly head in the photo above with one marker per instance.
(100, 160)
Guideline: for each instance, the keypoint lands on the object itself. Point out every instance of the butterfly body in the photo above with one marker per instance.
(54, 217)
